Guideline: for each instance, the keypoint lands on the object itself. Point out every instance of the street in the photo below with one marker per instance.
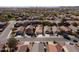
(7, 31)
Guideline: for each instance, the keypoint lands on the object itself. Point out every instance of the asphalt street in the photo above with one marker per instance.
(5, 34)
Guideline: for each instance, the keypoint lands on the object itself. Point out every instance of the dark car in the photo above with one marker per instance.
(19, 33)
(75, 41)
(18, 25)
(65, 35)
(71, 43)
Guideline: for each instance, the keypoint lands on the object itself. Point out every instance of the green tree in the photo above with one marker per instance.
(12, 42)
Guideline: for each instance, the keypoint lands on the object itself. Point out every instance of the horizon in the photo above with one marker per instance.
(35, 6)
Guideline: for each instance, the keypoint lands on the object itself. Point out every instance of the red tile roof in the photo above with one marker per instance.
(52, 48)
(59, 48)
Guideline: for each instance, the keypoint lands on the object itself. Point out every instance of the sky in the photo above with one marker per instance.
(41, 3)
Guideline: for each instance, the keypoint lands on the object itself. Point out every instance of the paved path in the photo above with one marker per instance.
(41, 47)
(5, 34)
(71, 48)
(37, 47)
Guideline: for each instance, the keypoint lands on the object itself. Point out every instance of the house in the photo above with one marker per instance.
(54, 29)
(48, 30)
(51, 47)
(74, 29)
(2, 26)
(25, 47)
(20, 31)
(54, 47)
(18, 24)
(59, 48)
(66, 29)
(1, 46)
(30, 30)
(22, 48)
(39, 29)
